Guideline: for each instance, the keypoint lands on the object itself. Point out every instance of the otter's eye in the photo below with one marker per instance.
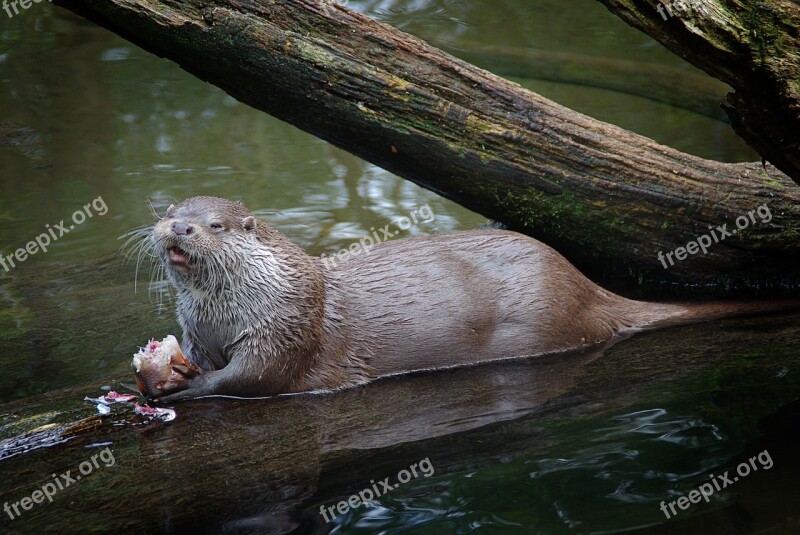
(216, 226)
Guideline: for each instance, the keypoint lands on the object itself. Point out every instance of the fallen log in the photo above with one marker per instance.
(598, 193)
(225, 463)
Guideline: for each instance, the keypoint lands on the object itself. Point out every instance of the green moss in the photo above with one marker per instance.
(556, 214)
(314, 54)
(28, 424)
(759, 19)
(476, 126)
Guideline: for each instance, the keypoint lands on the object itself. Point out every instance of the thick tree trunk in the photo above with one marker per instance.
(592, 190)
(753, 46)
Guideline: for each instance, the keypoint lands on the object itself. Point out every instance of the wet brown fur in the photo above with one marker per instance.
(262, 317)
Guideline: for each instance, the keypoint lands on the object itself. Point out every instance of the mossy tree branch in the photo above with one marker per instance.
(754, 46)
(598, 193)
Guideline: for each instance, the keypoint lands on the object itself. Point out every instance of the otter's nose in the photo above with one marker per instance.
(181, 229)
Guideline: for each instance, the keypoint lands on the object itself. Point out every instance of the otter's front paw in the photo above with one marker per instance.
(183, 394)
(161, 369)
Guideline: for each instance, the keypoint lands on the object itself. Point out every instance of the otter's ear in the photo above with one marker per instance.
(249, 223)
(170, 209)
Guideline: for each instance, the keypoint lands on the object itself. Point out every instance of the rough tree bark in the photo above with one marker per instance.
(590, 189)
(753, 46)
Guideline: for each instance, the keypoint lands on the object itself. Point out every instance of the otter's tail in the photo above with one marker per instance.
(657, 315)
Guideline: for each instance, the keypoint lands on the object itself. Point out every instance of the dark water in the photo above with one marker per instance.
(87, 116)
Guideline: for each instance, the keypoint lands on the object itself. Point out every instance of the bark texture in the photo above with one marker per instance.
(754, 46)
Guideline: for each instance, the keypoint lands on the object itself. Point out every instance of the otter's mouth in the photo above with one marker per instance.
(179, 258)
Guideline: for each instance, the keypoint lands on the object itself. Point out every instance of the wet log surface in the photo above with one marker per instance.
(608, 199)
(225, 465)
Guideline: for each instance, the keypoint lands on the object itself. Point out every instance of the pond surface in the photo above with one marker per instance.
(87, 117)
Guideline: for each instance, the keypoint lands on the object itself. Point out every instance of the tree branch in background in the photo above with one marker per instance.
(752, 46)
(596, 192)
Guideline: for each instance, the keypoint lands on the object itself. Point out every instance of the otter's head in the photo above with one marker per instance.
(201, 238)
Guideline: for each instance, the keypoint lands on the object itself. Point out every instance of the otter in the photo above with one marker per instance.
(260, 317)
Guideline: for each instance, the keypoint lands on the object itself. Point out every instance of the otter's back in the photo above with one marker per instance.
(471, 297)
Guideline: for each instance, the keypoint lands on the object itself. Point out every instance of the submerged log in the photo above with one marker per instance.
(594, 191)
(226, 464)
